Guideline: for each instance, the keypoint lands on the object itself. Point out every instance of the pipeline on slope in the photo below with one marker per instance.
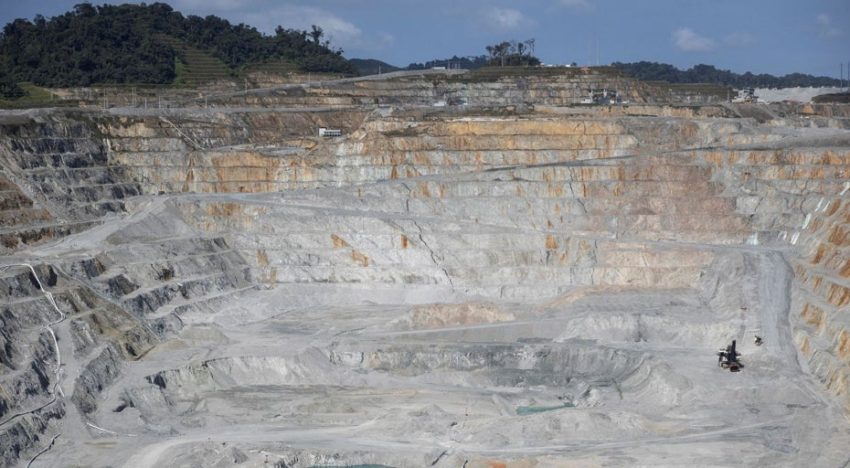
(56, 391)
(49, 326)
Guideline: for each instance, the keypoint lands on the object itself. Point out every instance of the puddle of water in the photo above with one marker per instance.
(352, 466)
(526, 410)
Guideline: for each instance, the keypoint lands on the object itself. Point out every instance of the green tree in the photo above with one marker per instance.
(512, 53)
(316, 33)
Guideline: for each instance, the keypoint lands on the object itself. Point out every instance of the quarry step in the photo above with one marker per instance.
(175, 307)
(149, 299)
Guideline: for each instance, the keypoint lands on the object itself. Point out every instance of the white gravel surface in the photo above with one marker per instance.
(793, 94)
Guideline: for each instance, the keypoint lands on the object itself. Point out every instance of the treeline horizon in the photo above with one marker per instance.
(129, 43)
(702, 73)
(644, 71)
(147, 44)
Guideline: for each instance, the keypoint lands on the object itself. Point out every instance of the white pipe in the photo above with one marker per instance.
(44, 450)
(108, 431)
(57, 387)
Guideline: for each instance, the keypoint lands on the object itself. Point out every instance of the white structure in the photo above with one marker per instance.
(329, 132)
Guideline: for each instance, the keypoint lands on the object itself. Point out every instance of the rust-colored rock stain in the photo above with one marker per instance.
(338, 242)
(359, 258)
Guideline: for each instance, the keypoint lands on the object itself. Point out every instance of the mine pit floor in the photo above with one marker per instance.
(372, 384)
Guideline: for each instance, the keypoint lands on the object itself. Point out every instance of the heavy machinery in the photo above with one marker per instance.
(747, 95)
(602, 96)
(728, 358)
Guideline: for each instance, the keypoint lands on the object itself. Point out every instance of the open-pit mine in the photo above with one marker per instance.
(464, 270)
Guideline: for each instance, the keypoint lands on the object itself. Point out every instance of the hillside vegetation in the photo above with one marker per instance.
(148, 44)
(653, 71)
(373, 66)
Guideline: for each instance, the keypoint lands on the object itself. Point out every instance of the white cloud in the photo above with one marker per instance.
(826, 29)
(577, 4)
(689, 41)
(342, 33)
(385, 40)
(300, 17)
(738, 39)
(336, 29)
(507, 19)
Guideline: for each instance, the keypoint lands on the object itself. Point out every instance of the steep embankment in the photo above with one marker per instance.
(497, 87)
(821, 293)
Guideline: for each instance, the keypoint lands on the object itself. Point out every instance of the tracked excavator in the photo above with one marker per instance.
(728, 358)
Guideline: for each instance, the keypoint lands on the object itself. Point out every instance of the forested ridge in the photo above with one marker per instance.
(653, 71)
(112, 44)
(647, 71)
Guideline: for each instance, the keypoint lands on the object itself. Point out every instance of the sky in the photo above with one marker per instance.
(761, 36)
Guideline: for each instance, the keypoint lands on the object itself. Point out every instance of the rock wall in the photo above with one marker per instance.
(120, 294)
(585, 198)
(64, 171)
(34, 396)
(821, 293)
(57, 179)
(496, 87)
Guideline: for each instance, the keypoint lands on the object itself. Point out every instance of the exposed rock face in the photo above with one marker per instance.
(821, 294)
(434, 316)
(498, 88)
(32, 398)
(56, 180)
(457, 274)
